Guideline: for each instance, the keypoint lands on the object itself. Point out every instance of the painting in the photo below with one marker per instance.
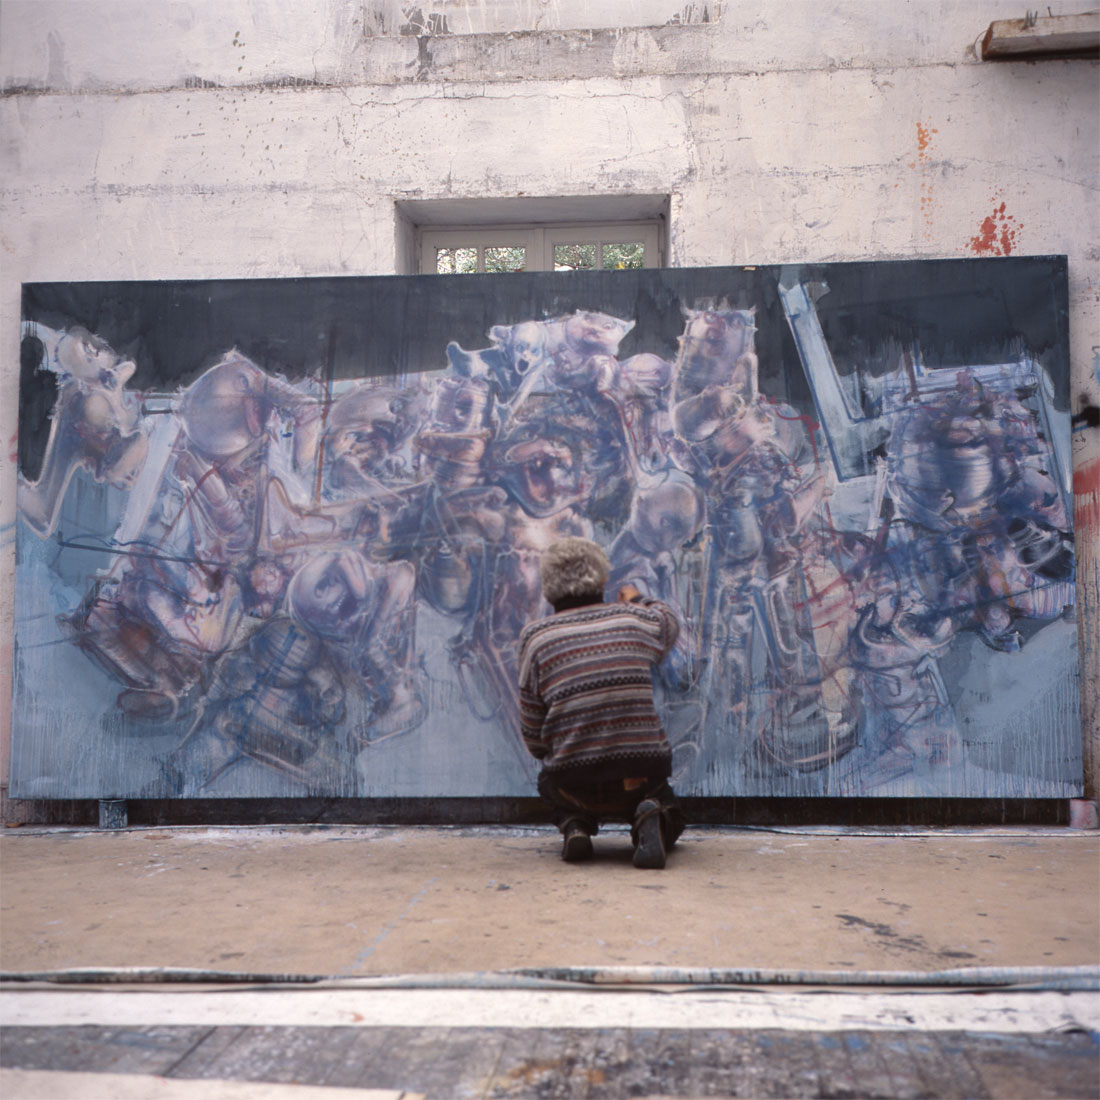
(278, 538)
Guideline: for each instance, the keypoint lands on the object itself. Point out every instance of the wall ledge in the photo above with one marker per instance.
(1054, 36)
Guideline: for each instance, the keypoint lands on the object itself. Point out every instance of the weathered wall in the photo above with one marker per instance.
(246, 138)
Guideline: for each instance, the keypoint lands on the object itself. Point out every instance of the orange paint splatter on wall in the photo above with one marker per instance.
(997, 234)
(927, 184)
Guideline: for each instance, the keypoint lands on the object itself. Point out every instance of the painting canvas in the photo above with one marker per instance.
(279, 537)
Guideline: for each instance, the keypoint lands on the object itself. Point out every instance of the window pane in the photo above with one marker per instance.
(455, 261)
(494, 248)
(574, 257)
(506, 258)
(624, 255)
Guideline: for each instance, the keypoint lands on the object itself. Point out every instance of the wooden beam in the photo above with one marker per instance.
(1043, 36)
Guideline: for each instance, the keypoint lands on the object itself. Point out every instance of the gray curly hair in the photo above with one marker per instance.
(573, 567)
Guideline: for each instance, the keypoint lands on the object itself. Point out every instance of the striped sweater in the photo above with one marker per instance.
(586, 690)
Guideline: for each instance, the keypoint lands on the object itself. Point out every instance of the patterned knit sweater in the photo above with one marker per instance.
(586, 690)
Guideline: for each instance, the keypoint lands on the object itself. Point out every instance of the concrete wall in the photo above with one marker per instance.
(247, 138)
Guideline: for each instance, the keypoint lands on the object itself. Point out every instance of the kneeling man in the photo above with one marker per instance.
(587, 710)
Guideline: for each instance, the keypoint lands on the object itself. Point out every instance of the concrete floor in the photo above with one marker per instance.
(473, 905)
(346, 901)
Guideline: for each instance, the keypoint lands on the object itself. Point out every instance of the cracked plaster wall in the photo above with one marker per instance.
(249, 138)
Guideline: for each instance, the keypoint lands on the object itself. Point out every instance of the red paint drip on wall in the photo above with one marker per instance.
(1086, 497)
(997, 235)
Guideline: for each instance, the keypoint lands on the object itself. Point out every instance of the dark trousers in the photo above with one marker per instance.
(588, 804)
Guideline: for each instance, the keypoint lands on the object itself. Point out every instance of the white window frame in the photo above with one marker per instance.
(538, 241)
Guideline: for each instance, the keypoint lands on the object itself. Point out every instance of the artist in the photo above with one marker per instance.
(587, 709)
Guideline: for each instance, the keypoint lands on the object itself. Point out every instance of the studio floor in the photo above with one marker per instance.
(455, 962)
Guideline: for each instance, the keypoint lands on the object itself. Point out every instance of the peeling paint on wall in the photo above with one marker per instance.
(402, 18)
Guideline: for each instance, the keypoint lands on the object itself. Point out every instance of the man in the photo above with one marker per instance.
(586, 705)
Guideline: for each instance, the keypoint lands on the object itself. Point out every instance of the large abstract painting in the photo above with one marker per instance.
(279, 537)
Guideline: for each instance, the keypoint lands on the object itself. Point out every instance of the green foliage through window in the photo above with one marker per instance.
(463, 260)
(624, 255)
(508, 258)
(574, 257)
(455, 261)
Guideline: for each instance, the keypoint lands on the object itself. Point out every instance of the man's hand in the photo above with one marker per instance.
(628, 594)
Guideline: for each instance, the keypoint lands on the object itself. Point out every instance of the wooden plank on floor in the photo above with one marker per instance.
(355, 1064)
(99, 1049)
(793, 1062)
(278, 1054)
(214, 1042)
(409, 1060)
(1020, 1067)
(719, 1060)
(464, 1063)
(869, 1067)
(959, 1077)
(60, 1085)
(588, 1063)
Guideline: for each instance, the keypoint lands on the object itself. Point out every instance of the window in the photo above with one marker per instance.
(581, 247)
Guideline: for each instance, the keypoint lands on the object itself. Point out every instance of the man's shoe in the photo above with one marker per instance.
(649, 844)
(577, 845)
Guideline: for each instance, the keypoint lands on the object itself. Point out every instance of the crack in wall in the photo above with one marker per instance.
(392, 78)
